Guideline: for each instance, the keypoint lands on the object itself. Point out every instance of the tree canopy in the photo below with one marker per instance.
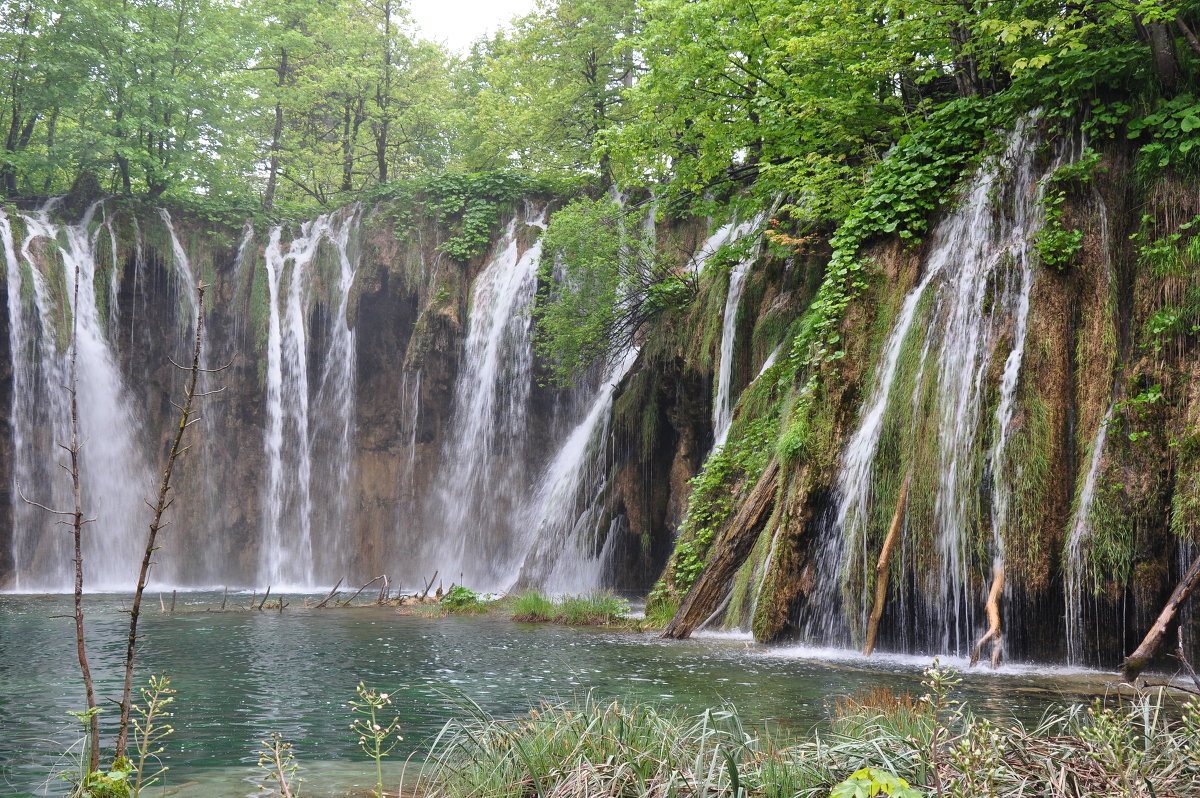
(299, 103)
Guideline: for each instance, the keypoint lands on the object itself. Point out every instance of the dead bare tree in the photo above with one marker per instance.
(77, 523)
(160, 507)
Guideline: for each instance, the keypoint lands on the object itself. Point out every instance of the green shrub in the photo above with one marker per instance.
(463, 599)
(530, 606)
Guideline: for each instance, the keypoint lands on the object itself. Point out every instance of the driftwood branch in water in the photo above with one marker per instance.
(346, 603)
(882, 570)
(332, 593)
(728, 554)
(993, 615)
(1137, 662)
(425, 592)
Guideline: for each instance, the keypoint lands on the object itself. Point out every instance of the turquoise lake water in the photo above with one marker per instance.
(241, 675)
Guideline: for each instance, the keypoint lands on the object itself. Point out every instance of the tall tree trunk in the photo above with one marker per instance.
(276, 134)
(1162, 50)
(347, 151)
(51, 129)
(383, 98)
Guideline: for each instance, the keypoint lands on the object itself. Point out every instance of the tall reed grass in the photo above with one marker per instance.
(1148, 747)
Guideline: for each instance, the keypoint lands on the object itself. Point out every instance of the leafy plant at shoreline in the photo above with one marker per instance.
(462, 599)
(378, 735)
(869, 782)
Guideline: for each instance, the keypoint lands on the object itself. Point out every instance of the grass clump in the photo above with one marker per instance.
(531, 606)
(659, 613)
(595, 609)
(1140, 747)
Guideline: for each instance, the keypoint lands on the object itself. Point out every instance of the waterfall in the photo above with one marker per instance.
(971, 301)
(727, 234)
(723, 403)
(1077, 542)
(115, 474)
(482, 474)
(561, 522)
(310, 417)
(410, 404)
(185, 280)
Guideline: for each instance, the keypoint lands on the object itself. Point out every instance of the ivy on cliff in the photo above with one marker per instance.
(470, 205)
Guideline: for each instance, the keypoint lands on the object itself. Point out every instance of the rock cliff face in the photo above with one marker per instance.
(1046, 416)
(407, 312)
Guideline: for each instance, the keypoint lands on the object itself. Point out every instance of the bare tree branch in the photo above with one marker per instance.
(162, 504)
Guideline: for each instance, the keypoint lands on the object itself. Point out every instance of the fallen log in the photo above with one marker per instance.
(1143, 655)
(993, 615)
(728, 554)
(882, 571)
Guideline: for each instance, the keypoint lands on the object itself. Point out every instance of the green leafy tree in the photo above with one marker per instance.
(542, 96)
(604, 280)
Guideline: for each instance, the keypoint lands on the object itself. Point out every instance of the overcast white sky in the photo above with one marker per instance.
(460, 22)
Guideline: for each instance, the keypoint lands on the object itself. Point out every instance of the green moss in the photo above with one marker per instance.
(707, 315)
(1185, 497)
(636, 412)
(1111, 547)
(746, 582)
(259, 312)
(1028, 475)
